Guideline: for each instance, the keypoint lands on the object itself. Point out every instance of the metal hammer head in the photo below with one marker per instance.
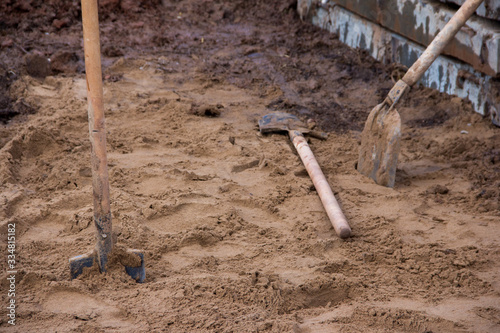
(134, 267)
(281, 122)
(284, 122)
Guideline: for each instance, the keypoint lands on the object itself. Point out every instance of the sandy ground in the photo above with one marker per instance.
(234, 234)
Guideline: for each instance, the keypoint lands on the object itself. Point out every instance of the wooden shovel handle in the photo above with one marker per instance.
(97, 130)
(440, 41)
(325, 193)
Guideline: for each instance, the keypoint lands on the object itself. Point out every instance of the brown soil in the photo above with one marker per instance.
(234, 235)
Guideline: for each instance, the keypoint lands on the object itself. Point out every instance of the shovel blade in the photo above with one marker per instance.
(137, 273)
(380, 145)
(78, 263)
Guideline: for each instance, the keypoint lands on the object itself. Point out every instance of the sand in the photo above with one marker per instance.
(234, 235)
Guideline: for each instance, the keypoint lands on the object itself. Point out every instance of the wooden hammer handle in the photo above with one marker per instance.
(325, 193)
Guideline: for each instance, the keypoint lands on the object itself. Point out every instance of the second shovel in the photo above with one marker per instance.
(380, 140)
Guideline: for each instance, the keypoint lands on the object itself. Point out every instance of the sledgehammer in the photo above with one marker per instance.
(287, 123)
(100, 180)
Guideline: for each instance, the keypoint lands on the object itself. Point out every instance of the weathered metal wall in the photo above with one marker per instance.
(489, 8)
(399, 31)
(477, 44)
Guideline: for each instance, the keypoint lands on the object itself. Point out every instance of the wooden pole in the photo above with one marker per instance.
(332, 208)
(97, 130)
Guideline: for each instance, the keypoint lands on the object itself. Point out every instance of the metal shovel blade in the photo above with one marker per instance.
(78, 263)
(380, 144)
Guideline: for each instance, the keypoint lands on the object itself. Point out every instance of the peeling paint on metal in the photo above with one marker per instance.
(446, 74)
(489, 8)
(420, 21)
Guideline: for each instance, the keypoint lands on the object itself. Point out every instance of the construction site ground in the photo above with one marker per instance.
(234, 234)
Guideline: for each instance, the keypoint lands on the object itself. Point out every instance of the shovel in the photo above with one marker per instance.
(286, 123)
(100, 180)
(380, 140)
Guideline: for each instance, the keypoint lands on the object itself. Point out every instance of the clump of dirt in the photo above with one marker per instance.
(9, 105)
(37, 65)
(210, 110)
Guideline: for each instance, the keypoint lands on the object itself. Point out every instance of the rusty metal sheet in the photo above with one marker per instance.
(477, 43)
(446, 74)
(489, 8)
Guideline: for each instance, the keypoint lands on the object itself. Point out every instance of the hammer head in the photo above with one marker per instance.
(281, 122)
(136, 272)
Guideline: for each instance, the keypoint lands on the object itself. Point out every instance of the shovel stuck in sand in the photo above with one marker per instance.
(380, 140)
(100, 180)
(281, 122)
